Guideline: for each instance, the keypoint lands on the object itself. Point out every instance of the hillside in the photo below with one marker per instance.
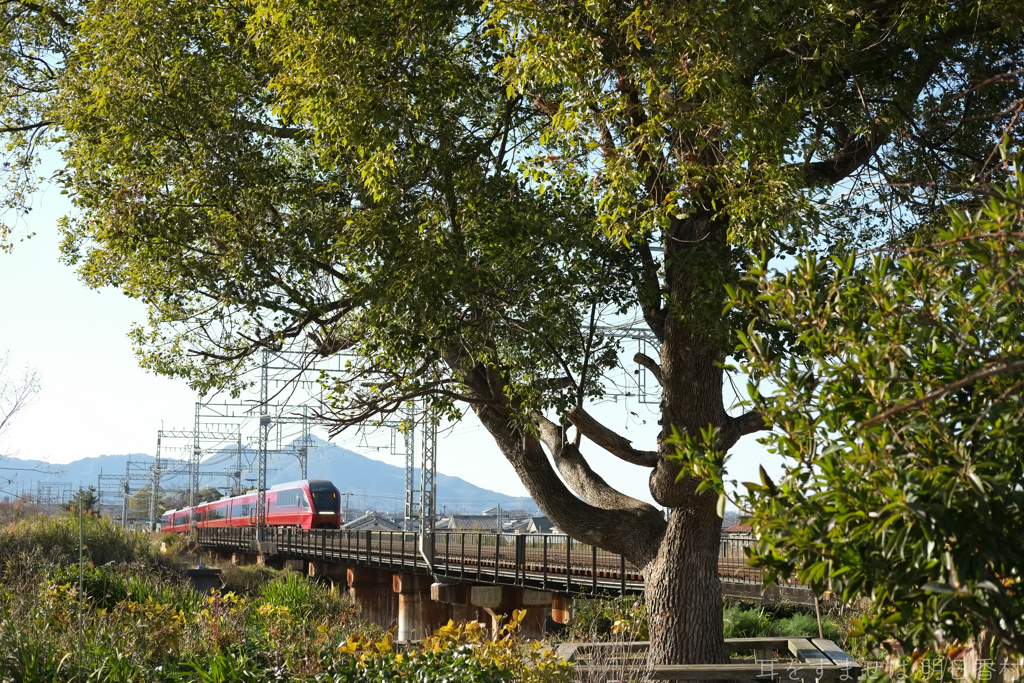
(369, 483)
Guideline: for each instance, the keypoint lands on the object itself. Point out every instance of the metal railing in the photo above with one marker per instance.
(552, 562)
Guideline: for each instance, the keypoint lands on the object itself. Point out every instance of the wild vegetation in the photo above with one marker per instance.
(135, 618)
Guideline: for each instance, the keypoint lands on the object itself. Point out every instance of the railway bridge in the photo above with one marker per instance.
(469, 575)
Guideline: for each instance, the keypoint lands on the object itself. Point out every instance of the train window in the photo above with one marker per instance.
(325, 496)
(215, 513)
(288, 498)
(240, 510)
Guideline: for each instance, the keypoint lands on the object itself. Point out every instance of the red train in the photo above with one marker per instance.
(309, 504)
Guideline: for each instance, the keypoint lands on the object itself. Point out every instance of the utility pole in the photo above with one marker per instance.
(347, 495)
(410, 465)
(193, 485)
(155, 485)
(261, 495)
(428, 476)
(238, 465)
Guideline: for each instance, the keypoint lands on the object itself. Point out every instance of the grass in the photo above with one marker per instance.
(137, 619)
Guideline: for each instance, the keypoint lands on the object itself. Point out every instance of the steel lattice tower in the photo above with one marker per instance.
(156, 485)
(261, 488)
(411, 507)
(428, 476)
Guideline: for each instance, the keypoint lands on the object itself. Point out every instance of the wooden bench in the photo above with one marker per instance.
(811, 660)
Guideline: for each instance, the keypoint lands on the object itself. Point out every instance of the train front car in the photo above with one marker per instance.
(326, 504)
(309, 504)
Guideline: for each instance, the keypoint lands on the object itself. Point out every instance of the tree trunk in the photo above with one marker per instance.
(684, 593)
(680, 558)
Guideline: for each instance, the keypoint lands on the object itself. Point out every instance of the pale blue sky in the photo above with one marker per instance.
(96, 400)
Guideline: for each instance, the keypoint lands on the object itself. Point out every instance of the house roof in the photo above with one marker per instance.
(469, 523)
(372, 519)
(540, 525)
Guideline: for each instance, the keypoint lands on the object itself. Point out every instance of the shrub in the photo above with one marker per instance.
(456, 652)
(56, 540)
(247, 580)
(623, 618)
(805, 625)
(745, 623)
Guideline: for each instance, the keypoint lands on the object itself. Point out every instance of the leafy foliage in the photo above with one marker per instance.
(41, 539)
(142, 620)
(901, 427)
(462, 197)
(86, 499)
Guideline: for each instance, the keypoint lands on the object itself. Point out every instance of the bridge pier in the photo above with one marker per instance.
(561, 608)
(499, 602)
(372, 591)
(329, 571)
(243, 559)
(468, 613)
(418, 615)
(300, 566)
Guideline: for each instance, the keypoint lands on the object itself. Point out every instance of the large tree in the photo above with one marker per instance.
(462, 194)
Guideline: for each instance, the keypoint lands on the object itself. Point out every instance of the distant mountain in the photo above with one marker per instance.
(369, 484)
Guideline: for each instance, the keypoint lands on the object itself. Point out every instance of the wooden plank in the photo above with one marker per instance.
(693, 672)
(835, 653)
(804, 651)
(734, 644)
(631, 646)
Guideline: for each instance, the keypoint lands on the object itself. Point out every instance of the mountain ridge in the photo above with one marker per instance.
(365, 483)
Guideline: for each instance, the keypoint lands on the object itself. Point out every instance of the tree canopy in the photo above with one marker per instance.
(464, 197)
(901, 427)
(85, 500)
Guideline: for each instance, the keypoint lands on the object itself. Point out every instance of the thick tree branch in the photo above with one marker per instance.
(617, 445)
(281, 132)
(649, 292)
(852, 155)
(855, 151)
(634, 530)
(49, 12)
(577, 473)
(649, 363)
(29, 126)
(747, 423)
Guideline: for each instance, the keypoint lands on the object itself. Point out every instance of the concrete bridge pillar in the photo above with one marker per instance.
(329, 571)
(499, 602)
(418, 615)
(561, 608)
(243, 559)
(297, 566)
(372, 592)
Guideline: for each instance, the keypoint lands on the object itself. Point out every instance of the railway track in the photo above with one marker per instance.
(543, 561)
